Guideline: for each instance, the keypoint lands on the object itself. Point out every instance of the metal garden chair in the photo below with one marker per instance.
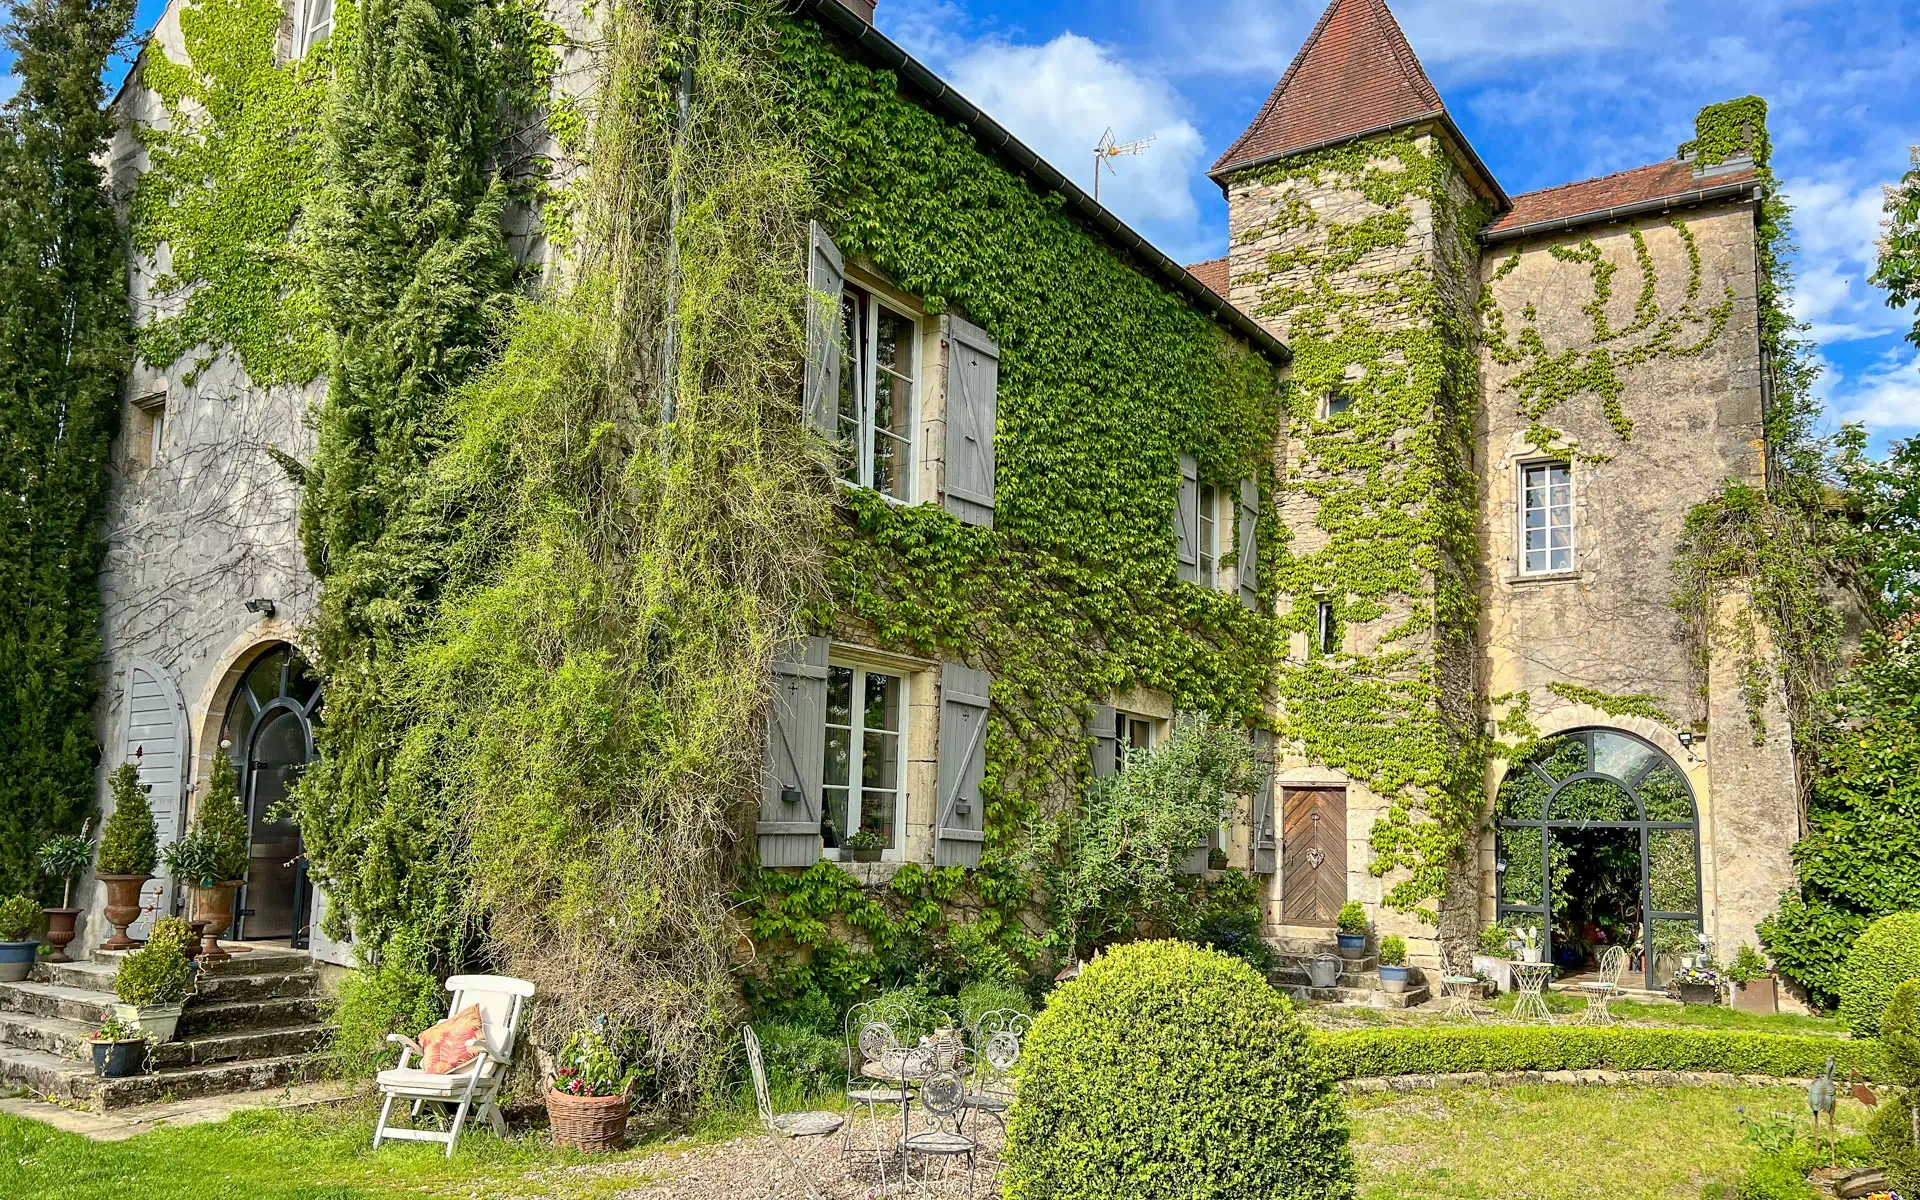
(782, 1129)
(1459, 992)
(997, 1039)
(946, 1139)
(1599, 992)
(875, 1033)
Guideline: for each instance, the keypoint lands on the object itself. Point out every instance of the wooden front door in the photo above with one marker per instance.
(1313, 855)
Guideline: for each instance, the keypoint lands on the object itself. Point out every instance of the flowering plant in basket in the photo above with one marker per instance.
(589, 1066)
(587, 1105)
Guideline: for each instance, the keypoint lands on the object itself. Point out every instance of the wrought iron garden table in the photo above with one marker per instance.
(1530, 980)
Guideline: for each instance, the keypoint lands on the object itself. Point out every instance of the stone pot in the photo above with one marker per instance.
(16, 960)
(1352, 945)
(156, 1022)
(1324, 971)
(1697, 993)
(118, 1060)
(60, 931)
(1393, 980)
(1761, 997)
(214, 905)
(122, 908)
(869, 855)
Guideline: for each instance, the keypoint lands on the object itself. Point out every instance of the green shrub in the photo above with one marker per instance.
(978, 998)
(1170, 1070)
(802, 1062)
(1393, 951)
(64, 858)
(1352, 918)
(19, 917)
(1494, 940)
(1365, 1053)
(1882, 958)
(157, 973)
(1748, 965)
(129, 843)
(1228, 920)
(926, 1009)
(1891, 1130)
(1900, 1036)
(171, 931)
(396, 994)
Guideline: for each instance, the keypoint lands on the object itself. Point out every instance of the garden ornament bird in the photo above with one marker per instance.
(1821, 1098)
(1861, 1091)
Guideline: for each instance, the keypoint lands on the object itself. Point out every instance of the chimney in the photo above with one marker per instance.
(860, 8)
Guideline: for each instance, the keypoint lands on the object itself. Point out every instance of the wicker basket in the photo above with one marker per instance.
(587, 1122)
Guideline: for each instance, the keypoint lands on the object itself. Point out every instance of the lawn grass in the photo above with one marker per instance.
(1566, 1143)
(1698, 1015)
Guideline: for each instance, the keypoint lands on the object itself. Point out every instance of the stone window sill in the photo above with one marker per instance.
(1544, 577)
(870, 874)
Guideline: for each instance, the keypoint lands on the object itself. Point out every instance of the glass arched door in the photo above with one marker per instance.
(1598, 841)
(269, 733)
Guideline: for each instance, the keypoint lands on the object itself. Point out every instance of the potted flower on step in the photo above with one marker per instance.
(1697, 985)
(129, 849)
(64, 858)
(1754, 990)
(19, 917)
(588, 1103)
(1393, 964)
(1351, 927)
(153, 982)
(866, 845)
(118, 1049)
(212, 858)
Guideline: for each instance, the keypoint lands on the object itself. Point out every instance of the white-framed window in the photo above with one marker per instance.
(864, 782)
(1209, 549)
(1131, 731)
(1546, 518)
(1336, 401)
(1326, 631)
(879, 376)
(147, 439)
(313, 24)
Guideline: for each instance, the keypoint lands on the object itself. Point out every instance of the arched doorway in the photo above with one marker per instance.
(269, 732)
(1598, 841)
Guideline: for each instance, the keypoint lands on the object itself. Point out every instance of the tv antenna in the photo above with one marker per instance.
(1108, 150)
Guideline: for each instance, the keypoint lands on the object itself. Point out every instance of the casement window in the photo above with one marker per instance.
(313, 24)
(1335, 402)
(878, 376)
(863, 768)
(146, 440)
(1209, 539)
(1326, 631)
(1546, 518)
(1132, 732)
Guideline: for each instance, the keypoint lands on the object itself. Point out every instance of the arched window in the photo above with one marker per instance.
(269, 733)
(1598, 825)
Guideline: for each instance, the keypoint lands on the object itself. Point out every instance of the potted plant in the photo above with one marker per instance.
(1351, 926)
(63, 858)
(1529, 943)
(153, 982)
(212, 858)
(866, 845)
(19, 917)
(1754, 990)
(118, 1049)
(1393, 964)
(1697, 985)
(1491, 961)
(129, 849)
(588, 1102)
(1216, 859)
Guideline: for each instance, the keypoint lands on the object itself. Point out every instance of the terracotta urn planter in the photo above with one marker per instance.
(60, 931)
(122, 908)
(214, 905)
(192, 948)
(1760, 996)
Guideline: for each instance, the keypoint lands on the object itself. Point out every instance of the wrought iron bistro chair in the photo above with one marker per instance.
(945, 1138)
(997, 1038)
(875, 1033)
(785, 1127)
(1599, 992)
(1459, 990)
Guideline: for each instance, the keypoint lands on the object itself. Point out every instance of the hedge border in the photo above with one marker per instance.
(1497, 1050)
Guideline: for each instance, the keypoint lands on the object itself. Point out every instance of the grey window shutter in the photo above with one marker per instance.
(1265, 844)
(1106, 741)
(1196, 862)
(790, 797)
(1249, 560)
(973, 406)
(1186, 520)
(826, 280)
(156, 737)
(960, 828)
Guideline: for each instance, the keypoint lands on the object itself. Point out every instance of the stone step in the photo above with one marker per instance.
(201, 1017)
(1332, 995)
(1414, 996)
(98, 976)
(262, 960)
(71, 1040)
(1297, 976)
(64, 1079)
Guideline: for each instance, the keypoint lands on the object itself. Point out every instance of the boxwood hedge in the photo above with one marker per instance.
(1882, 958)
(1364, 1053)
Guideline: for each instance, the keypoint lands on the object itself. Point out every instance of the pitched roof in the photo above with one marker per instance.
(1212, 272)
(1660, 184)
(1356, 74)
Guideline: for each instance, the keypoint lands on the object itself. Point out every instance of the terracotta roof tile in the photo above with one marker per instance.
(1213, 273)
(1356, 73)
(1592, 198)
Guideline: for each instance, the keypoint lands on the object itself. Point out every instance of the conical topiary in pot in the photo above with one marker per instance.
(212, 858)
(19, 917)
(129, 850)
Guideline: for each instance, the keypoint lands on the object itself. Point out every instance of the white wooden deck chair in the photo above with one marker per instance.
(452, 1097)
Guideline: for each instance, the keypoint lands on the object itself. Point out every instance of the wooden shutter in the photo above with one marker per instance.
(826, 279)
(1186, 520)
(1196, 862)
(1249, 560)
(156, 737)
(790, 797)
(973, 405)
(1265, 844)
(1106, 741)
(960, 827)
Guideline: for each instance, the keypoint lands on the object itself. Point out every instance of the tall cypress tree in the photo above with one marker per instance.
(64, 344)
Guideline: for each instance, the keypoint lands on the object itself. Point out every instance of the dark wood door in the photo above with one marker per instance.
(1313, 855)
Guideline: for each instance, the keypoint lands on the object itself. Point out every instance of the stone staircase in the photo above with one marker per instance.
(1359, 979)
(251, 1025)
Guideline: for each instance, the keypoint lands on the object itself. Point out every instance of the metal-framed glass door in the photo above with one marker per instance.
(269, 733)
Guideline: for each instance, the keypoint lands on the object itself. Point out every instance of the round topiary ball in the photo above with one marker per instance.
(1882, 958)
(1168, 1070)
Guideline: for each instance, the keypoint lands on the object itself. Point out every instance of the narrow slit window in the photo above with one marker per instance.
(1209, 537)
(1324, 631)
(148, 436)
(1546, 515)
(877, 395)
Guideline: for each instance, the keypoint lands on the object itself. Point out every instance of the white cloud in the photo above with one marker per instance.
(1886, 396)
(1837, 221)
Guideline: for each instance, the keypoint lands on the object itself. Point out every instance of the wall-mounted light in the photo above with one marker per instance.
(1686, 738)
(1500, 866)
(261, 605)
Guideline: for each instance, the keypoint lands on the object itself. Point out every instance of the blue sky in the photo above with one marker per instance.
(1547, 90)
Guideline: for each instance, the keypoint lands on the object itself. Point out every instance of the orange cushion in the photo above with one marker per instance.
(446, 1043)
